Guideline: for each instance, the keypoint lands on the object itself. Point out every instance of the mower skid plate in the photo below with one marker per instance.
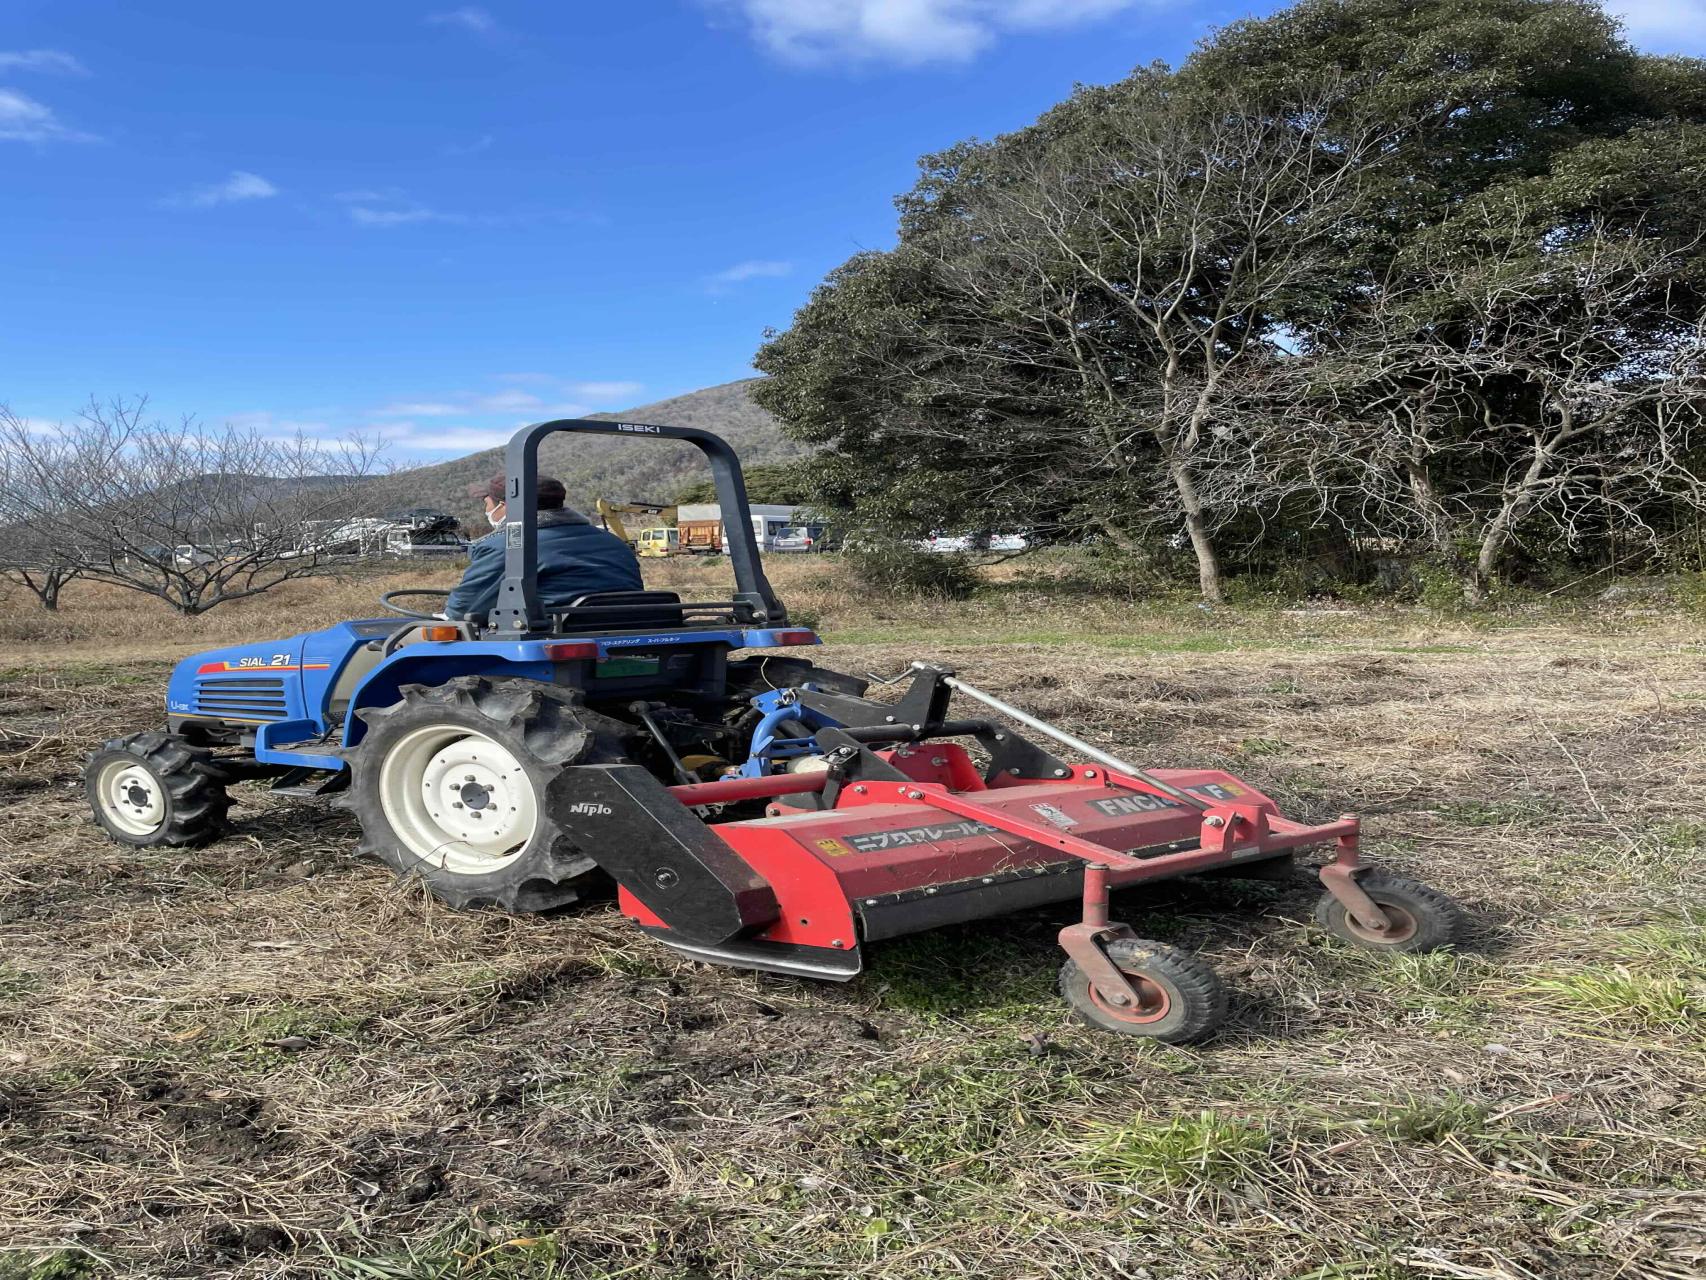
(822, 963)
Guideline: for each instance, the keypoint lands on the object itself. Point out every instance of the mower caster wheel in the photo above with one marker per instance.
(1180, 997)
(1423, 919)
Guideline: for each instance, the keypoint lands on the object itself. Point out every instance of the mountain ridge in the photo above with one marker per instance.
(622, 470)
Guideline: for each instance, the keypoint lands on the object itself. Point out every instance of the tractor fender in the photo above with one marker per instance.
(438, 664)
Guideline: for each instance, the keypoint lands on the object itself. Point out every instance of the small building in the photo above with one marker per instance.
(699, 525)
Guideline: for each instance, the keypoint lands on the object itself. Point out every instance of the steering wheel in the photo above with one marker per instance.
(389, 601)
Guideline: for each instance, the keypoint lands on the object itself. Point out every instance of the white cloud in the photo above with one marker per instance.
(741, 272)
(910, 32)
(507, 402)
(269, 424)
(1668, 26)
(469, 18)
(390, 207)
(605, 391)
(23, 119)
(240, 186)
(367, 216)
(422, 409)
(441, 424)
(619, 391)
(410, 436)
(368, 195)
(51, 61)
(394, 207)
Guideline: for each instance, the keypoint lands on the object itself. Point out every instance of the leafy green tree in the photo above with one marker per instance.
(780, 482)
(1536, 370)
(1067, 321)
(1111, 320)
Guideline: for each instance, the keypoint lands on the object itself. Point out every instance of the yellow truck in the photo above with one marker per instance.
(657, 542)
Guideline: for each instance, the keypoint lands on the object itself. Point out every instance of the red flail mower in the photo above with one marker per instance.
(890, 827)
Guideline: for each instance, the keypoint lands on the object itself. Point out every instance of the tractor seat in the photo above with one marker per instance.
(619, 611)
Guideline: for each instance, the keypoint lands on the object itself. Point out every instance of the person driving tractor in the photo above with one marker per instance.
(575, 559)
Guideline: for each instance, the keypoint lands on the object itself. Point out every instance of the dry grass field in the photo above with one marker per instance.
(270, 1059)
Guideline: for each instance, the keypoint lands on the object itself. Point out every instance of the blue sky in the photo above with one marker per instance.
(434, 221)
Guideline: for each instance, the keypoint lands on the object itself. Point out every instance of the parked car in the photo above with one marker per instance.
(945, 543)
(190, 556)
(800, 537)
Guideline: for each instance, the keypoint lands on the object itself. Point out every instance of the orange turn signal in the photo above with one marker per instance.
(441, 633)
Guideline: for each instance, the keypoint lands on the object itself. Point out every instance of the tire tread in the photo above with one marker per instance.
(1439, 918)
(198, 804)
(1199, 987)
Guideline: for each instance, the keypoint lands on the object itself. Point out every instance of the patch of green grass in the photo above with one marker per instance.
(1460, 1122)
(1426, 978)
(1445, 990)
(1683, 837)
(463, 1253)
(627, 962)
(16, 986)
(958, 1118)
(1489, 813)
(1432, 1120)
(262, 1037)
(1618, 998)
(1187, 1151)
(1263, 747)
(49, 1264)
(1354, 1269)
(966, 975)
(1676, 946)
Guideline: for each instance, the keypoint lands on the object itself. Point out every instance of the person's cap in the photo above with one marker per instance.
(549, 493)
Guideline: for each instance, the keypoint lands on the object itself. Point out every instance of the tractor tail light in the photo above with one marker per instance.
(572, 651)
(797, 635)
(441, 633)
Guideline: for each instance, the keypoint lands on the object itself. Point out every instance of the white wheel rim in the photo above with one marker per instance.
(457, 800)
(132, 798)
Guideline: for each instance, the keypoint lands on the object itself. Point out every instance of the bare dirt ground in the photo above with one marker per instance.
(268, 1059)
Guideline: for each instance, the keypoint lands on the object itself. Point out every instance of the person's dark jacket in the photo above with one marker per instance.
(575, 559)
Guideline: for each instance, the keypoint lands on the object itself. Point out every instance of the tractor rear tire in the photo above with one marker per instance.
(154, 788)
(1423, 919)
(1181, 999)
(452, 786)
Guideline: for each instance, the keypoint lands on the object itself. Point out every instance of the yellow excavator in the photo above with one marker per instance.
(653, 541)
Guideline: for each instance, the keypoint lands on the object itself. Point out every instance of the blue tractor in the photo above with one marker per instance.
(449, 739)
(750, 807)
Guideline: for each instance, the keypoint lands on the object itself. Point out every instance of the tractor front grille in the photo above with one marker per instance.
(241, 697)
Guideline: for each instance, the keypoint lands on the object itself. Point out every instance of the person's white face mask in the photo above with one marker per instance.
(495, 513)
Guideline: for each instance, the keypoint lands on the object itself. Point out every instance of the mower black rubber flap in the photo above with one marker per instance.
(626, 821)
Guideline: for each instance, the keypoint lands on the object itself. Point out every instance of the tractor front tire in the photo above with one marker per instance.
(154, 788)
(1423, 919)
(451, 786)
(1180, 996)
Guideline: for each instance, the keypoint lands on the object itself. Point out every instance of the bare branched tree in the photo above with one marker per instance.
(1100, 297)
(29, 554)
(193, 516)
(1549, 385)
